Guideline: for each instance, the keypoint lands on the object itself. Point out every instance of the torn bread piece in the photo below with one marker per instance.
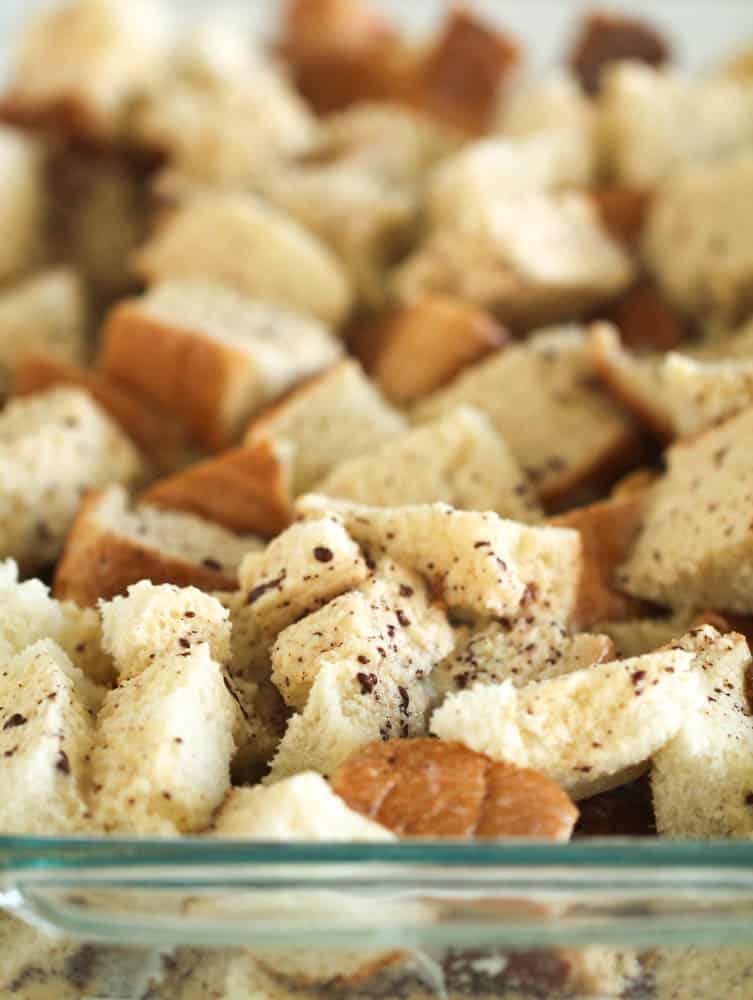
(112, 545)
(162, 750)
(391, 615)
(299, 571)
(693, 550)
(470, 467)
(46, 312)
(656, 121)
(479, 563)
(563, 428)
(260, 726)
(153, 622)
(422, 346)
(46, 733)
(303, 807)
(607, 530)
(238, 240)
(245, 489)
(215, 355)
(702, 779)
(23, 203)
(522, 652)
(530, 259)
(584, 729)
(694, 242)
(334, 417)
(80, 64)
(53, 447)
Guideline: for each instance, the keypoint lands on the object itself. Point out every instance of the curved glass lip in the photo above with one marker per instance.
(20, 852)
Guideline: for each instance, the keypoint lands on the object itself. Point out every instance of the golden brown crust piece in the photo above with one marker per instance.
(183, 372)
(422, 346)
(461, 75)
(608, 530)
(645, 319)
(605, 37)
(163, 439)
(98, 564)
(243, 489)
(429, 788)
(623, 211)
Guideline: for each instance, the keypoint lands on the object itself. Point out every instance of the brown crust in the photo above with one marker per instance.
(622, 210)
(244, 489)
(162, 438)
(605, 37)
(67, 115)
(460, 77)
(645, 319)
(98, 563)
(648, 417)
(178, 368)
(608, 530)
(432, 788)
(423, 346)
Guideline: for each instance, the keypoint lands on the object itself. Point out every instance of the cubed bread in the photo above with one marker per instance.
(702, 779)
(344, 712)
(607, 530)
(521, 652)
(552, 103)
(46, 736)
(245, 489)
(503, 167)
(259, 728)
(657, 121)
(693, 550)
(623, 212)
(159, 434)
(334, 417)
(606, 37)
(646, 321)
(238, 240)
(563, 428)
(112, 545)
(79, 64)
(694, 242)
(303, 807)
(153, 622)
(249, 646)
(215, 355)
(53, 448)
(23, 203)
(583, 729)
(47, 312)
(300, 571)
(81, 639)
(163, 746)
(469, 466)
(390, 617)
(420, 347)
(478, 562)
(530, 259)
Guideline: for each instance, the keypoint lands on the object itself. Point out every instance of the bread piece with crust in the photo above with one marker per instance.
(541, 396)
(530, 259)
(112, 545)
(301, 570)
(53, 447)
(163, 439)
(23, 203)
(702, 779)
(303, 807)
(584, 729)
(390, 616)
(469, 467)
(45, 739)
(215, 356)
(334, 417)
(46, 312)
(420, 347)
(245, 489)
(162, 751)
(479, 563)
(693, 550)
(237, 240)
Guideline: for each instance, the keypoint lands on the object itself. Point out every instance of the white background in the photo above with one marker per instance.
(703, 30)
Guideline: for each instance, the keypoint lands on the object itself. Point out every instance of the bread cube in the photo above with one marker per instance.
(23, 203)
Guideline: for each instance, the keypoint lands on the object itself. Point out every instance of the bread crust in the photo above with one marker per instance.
(98, 563)
(244, 489)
